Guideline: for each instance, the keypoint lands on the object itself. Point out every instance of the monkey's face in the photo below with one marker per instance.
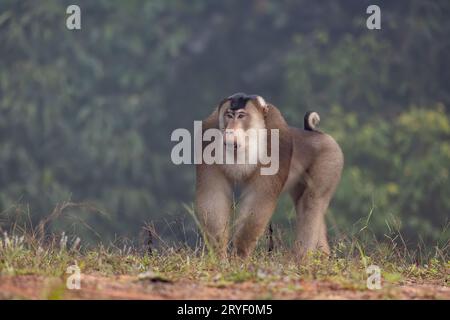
(242, 121)
(236, 119)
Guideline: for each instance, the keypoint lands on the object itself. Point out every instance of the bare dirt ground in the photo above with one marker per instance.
(129, 287)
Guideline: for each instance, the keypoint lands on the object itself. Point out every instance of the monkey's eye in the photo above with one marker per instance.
(241, 115)
(229, 116)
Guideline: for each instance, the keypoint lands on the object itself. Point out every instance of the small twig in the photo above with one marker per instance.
(149, 228)
(270, 237)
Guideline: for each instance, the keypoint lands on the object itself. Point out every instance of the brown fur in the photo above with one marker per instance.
(310, 167)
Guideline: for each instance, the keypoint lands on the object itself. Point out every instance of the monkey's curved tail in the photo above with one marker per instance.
(311, 121)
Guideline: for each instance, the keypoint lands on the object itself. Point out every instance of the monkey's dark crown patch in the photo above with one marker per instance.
(239, 100)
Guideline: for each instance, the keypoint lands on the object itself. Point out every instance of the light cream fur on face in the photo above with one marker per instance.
(242, 161)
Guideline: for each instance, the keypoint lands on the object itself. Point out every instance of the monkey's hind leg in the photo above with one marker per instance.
(311, 206)
(311, 227)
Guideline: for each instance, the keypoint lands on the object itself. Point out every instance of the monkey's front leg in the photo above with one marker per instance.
(256, 209)
(213, 204)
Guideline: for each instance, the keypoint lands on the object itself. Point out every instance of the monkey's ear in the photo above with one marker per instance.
(262, 104)
(265, 109)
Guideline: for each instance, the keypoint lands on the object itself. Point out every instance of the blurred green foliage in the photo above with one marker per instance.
(87, 115)
(397, 170)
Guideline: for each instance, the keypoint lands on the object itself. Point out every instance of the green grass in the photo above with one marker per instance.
(31, 251)
(22, 254)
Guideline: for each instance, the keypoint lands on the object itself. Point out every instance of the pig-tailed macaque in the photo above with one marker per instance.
(309, 166)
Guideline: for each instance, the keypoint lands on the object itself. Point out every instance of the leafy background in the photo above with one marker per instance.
(86, 116)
